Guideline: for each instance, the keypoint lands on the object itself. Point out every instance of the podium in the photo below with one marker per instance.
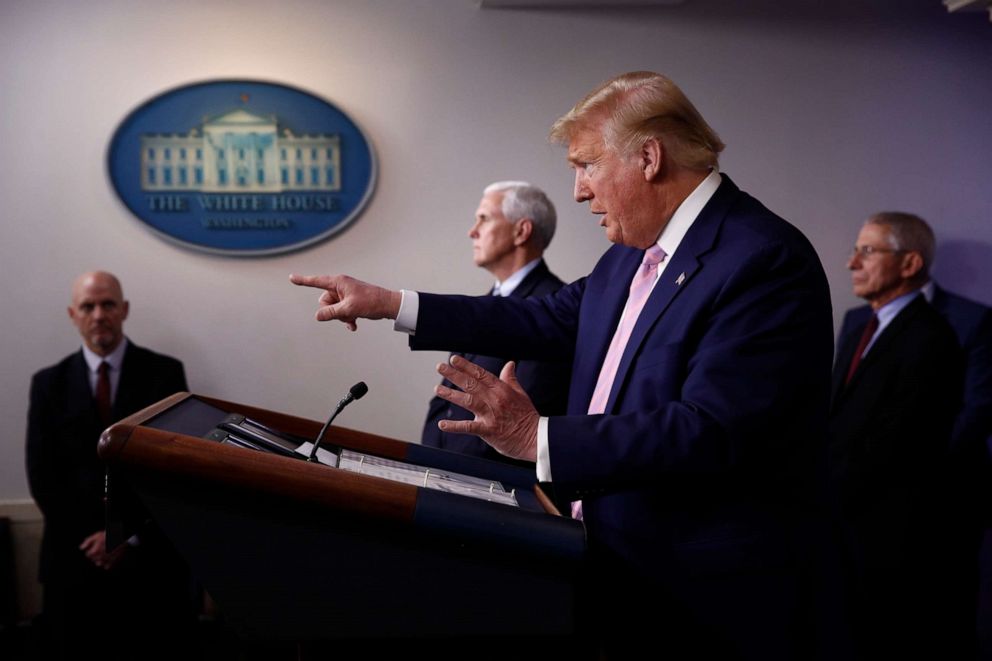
(305, 552)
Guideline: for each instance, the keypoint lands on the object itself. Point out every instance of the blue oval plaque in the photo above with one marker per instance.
(242, 167)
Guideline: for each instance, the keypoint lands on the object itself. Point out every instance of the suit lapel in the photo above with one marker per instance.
(844, 357)
(846, 344)
(79, 385)
(678, 276)
(126, 390)
(530, 281)
(605, 298)
(80, 404)
(879, 348)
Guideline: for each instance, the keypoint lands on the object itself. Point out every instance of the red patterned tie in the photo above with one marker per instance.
(640, 289)
(866, 336)
(103, 392)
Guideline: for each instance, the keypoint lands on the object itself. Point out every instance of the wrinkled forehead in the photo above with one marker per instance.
(872, 233)
(584, 145)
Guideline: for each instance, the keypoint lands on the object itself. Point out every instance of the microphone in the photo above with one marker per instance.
(357, 391)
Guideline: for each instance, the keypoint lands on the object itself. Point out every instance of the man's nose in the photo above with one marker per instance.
(581, 191)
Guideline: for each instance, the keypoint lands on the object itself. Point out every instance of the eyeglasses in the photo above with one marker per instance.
(867, 251)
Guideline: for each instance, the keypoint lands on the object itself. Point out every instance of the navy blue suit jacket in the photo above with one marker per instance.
(546, 383)
(699, 467)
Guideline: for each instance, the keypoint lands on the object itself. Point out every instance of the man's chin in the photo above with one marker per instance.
(105, 344)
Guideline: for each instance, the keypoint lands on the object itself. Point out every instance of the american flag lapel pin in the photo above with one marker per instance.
(679, 280)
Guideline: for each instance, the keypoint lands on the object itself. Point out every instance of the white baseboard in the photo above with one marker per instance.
(26, 524)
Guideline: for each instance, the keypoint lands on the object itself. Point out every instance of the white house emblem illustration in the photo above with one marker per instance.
(240, 152)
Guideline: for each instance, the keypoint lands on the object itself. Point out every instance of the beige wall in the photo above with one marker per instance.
(828, 114)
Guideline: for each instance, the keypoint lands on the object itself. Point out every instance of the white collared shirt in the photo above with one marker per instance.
(115, 359)
(506, 287)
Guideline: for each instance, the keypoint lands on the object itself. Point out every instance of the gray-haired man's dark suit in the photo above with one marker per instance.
(890, 431)
(545, 382)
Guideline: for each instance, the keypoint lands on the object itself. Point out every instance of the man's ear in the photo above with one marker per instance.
(912, 264)
(652, 157)
(522, 231)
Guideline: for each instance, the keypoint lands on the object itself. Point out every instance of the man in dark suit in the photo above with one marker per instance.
(99, 599)
(896, 391)
(513, 227)
(970, 488)
(971, 444)
(972, 323)
(971, 465)
(700, 348)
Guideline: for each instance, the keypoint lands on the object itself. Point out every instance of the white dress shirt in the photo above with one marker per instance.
(115, 359)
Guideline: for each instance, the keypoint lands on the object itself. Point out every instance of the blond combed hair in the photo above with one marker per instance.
(641, 105)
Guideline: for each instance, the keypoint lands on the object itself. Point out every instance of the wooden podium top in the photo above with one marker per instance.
(158, 439)
(293, 550)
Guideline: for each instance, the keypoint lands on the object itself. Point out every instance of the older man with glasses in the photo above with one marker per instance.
(897, 384)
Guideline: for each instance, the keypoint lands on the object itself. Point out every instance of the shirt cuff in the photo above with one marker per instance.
(406, 319)
(543, 454)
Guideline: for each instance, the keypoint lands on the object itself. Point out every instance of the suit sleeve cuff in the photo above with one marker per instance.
(543, 453)
(406, 319)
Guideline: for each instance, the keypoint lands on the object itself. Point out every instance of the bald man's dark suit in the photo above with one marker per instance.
(66, 479)
(545, 382)
(890, 431)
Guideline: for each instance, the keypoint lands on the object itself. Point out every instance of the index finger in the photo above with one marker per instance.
(321, 281)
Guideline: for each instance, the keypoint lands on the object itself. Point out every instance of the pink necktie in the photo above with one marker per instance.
(640, 288)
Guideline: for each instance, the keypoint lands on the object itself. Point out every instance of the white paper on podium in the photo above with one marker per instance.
(421, 476)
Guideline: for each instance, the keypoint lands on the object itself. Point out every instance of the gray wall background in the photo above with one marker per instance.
(829, 113)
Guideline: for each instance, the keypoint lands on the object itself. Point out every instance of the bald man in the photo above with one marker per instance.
(98, 599)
